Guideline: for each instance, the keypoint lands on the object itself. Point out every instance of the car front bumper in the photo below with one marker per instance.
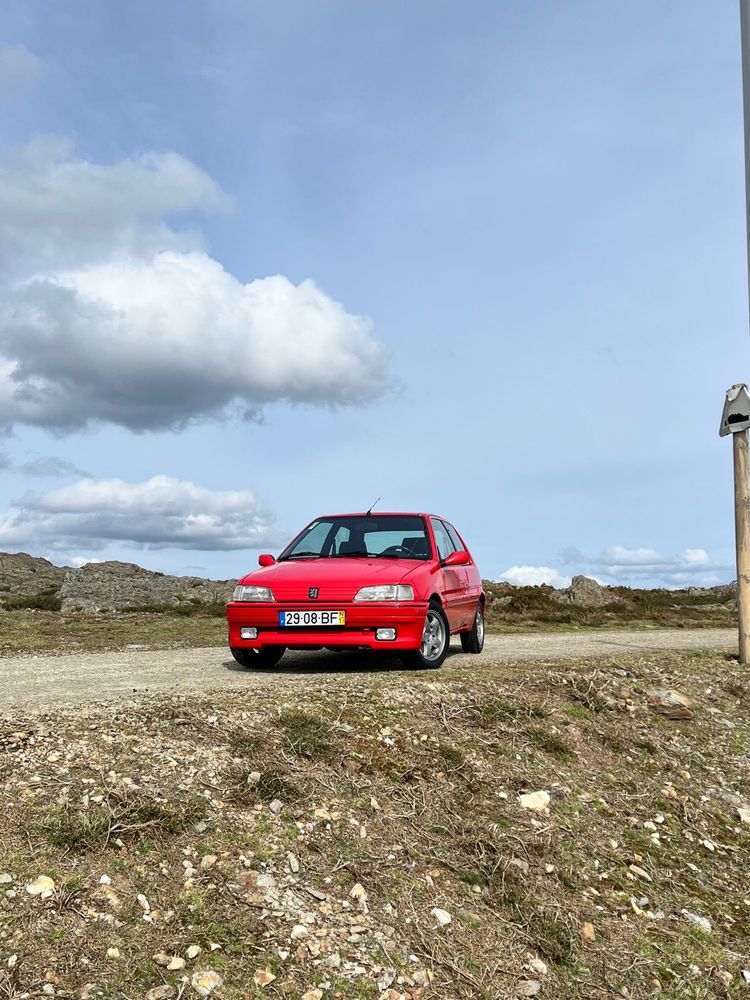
(362, 620)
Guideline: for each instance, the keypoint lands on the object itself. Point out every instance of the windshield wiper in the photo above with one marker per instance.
(303, 555)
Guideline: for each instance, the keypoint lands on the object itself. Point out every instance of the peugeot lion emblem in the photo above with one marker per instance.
(312, 592)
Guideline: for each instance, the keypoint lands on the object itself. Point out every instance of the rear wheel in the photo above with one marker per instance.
(473, 641)
(256, 659)
(435, 642)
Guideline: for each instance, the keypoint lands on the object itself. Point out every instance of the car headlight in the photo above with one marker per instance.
(386, 592)
(252, 593)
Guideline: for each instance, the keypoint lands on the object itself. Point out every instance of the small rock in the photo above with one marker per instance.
(746, 975)
(176, 964)
(292, 862)
(143, 903)
(204, 983)
(313, 994)
(538, 966)
(537, 801)
(587, 932)
(160, 992)
(671, 704)
(442, 916)
(703, 922)
(263, 977)
(42, 886)
(641, 873)
(299, 931)
(113, 952)
(744, 814)
(208, 861)
(528, 988)
(193, 951)
(276, 806)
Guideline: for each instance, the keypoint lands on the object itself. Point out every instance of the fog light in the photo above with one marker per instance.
(248, 633)
(385, 633)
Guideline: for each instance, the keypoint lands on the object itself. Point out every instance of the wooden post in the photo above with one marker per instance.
(742, 538)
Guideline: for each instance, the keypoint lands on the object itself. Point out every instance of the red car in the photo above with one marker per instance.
(402, 582)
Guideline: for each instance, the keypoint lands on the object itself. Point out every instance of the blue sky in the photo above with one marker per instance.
(262, 261)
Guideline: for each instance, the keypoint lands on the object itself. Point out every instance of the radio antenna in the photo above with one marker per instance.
(370, 510)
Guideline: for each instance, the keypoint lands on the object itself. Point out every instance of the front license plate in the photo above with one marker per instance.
(300, 619)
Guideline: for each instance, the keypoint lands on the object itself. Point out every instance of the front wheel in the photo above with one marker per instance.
(256, 659)
(435, 642)
(473, 641)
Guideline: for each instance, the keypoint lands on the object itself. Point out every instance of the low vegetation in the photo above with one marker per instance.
(374, 836)
(511, 608)
(34, 623)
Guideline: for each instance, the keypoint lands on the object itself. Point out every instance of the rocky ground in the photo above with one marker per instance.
(552, 828)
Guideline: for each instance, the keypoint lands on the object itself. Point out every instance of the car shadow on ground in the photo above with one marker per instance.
(327, 662)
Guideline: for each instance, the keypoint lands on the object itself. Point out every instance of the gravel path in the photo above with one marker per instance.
(40, 681)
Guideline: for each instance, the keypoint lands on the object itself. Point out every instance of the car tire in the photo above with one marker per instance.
(436, 640)
(257, 659)
(473, 641)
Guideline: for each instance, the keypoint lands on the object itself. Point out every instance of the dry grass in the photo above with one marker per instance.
(44, 631)
(512, 608)
(407, 787)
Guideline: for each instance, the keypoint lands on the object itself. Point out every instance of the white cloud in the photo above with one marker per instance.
(159, 513)
(637, 567)
(534, 576)
(19, 69)
(113, 316)
(58, 211)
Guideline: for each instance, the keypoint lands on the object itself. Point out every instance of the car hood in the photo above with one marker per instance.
(336, 579)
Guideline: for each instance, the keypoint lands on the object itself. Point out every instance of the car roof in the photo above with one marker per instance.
(383, 513)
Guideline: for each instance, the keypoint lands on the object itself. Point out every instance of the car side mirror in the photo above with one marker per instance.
(266, 560)
(456, 559)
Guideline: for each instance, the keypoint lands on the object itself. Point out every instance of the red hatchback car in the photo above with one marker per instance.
(402, 582)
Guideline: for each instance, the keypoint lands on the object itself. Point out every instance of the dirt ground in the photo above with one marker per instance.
(41, 681)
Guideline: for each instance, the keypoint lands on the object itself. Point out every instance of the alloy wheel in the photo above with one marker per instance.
(433, 637)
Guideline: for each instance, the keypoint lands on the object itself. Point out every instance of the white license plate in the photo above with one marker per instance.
(301, 619)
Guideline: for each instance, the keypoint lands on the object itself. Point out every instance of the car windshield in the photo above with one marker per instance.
(387, 536)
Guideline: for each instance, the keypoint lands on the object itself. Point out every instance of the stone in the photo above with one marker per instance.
(587, 931)
(528, 988)
(537, 801)
(160, 992)
(42, 886)
(442, 916)
(113, 953)
(204, 983)
(22, 575)
(193, 951)
(671, 704)
(538, 966)
(585, 592)
(313, 994)
(263, 977)
(176, 964)
(117, 586)
(703, 922)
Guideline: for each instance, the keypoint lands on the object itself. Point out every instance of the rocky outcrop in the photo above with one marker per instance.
(586, 592)
(22, 574)
(118, 585)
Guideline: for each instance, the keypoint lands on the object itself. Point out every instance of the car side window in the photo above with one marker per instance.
(457, 543)
(442, 539)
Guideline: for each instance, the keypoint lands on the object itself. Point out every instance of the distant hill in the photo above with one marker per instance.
(30, 582)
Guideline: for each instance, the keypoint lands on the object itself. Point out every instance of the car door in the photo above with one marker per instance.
(453, 585)
(466, 600)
